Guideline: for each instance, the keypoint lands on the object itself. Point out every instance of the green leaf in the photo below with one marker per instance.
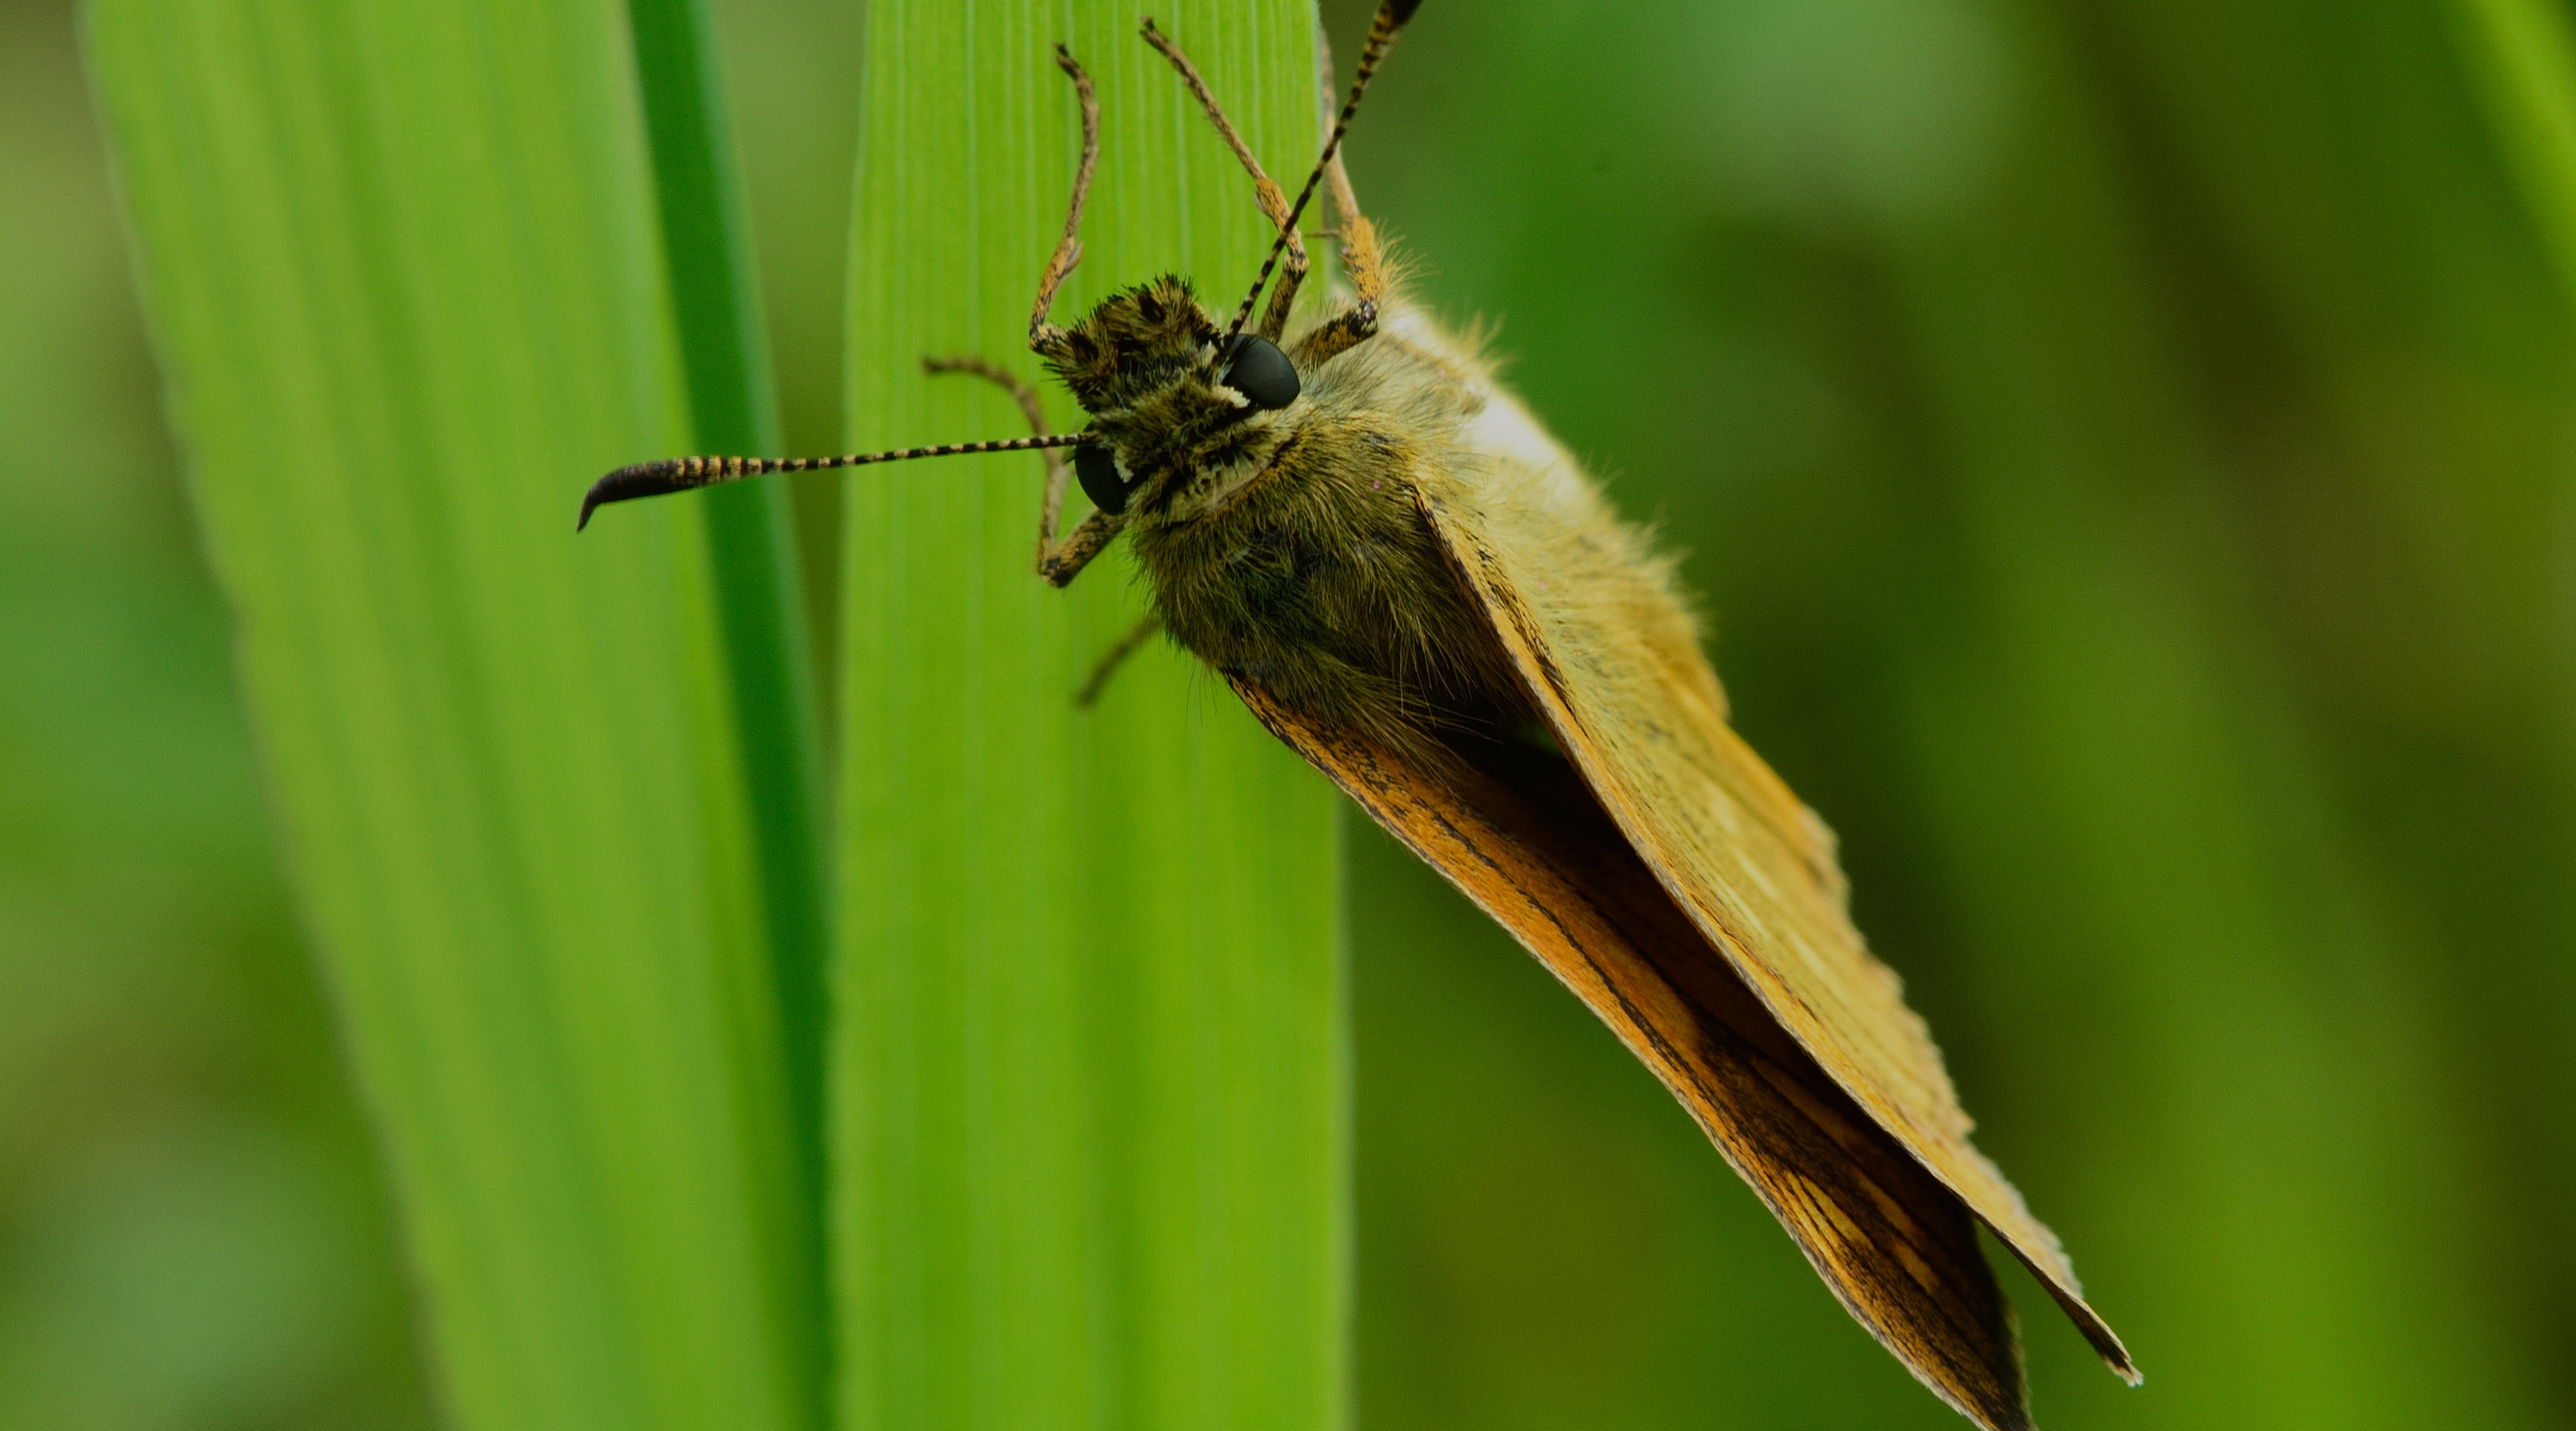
(2522, 54)
(751, 551)
(1090, 1073)
(403, 266)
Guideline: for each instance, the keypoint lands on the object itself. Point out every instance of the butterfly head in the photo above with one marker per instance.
(1168, 392)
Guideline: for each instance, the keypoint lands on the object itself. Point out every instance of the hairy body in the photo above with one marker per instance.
(1289, 548)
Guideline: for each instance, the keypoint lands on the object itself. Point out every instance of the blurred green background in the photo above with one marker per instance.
(2127, 449)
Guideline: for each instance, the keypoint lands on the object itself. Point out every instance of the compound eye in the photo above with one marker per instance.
(1097, 471)
(1256, 368)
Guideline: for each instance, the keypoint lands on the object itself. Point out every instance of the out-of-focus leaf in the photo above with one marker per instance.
(2523, 53)
(770, 717)
(403, 266)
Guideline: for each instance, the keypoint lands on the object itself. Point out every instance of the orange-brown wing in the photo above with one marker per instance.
(1637, 710)
(1531, 847)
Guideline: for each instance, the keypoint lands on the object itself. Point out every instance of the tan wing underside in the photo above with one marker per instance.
(1751, 868)
(1532, 849)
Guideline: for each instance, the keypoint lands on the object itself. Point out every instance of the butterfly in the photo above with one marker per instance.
(1412, 585)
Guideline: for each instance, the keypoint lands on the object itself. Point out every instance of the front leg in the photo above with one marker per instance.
(1061, 562)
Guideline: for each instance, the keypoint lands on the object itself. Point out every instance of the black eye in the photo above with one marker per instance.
(1256, 368)
(1098, 474)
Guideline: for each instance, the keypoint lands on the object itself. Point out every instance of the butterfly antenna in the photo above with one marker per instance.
(683, 474)
(1391, 17)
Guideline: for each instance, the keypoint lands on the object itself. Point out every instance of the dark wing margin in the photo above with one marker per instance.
(1517, 832)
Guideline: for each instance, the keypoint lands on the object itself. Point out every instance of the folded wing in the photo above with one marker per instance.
(1521, 837)
(1632, 701)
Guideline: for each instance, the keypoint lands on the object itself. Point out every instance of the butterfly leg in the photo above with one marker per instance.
(1274, 319)
(1061, 563)
(1363, 262)
(1058, 475)
(1044, 335)
(1115, 657)
(1058, 562)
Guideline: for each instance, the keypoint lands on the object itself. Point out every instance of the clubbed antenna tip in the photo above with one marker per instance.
(644, 479)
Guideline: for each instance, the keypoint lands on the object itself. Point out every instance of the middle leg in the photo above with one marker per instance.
(1058, 562)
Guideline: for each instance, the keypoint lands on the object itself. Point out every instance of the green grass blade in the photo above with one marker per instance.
(759, 594)
(403, 268)
(1090, 1147)
(2522, 54)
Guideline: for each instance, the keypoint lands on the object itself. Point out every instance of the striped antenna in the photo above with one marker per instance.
(1391, 17)
(683, 474)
